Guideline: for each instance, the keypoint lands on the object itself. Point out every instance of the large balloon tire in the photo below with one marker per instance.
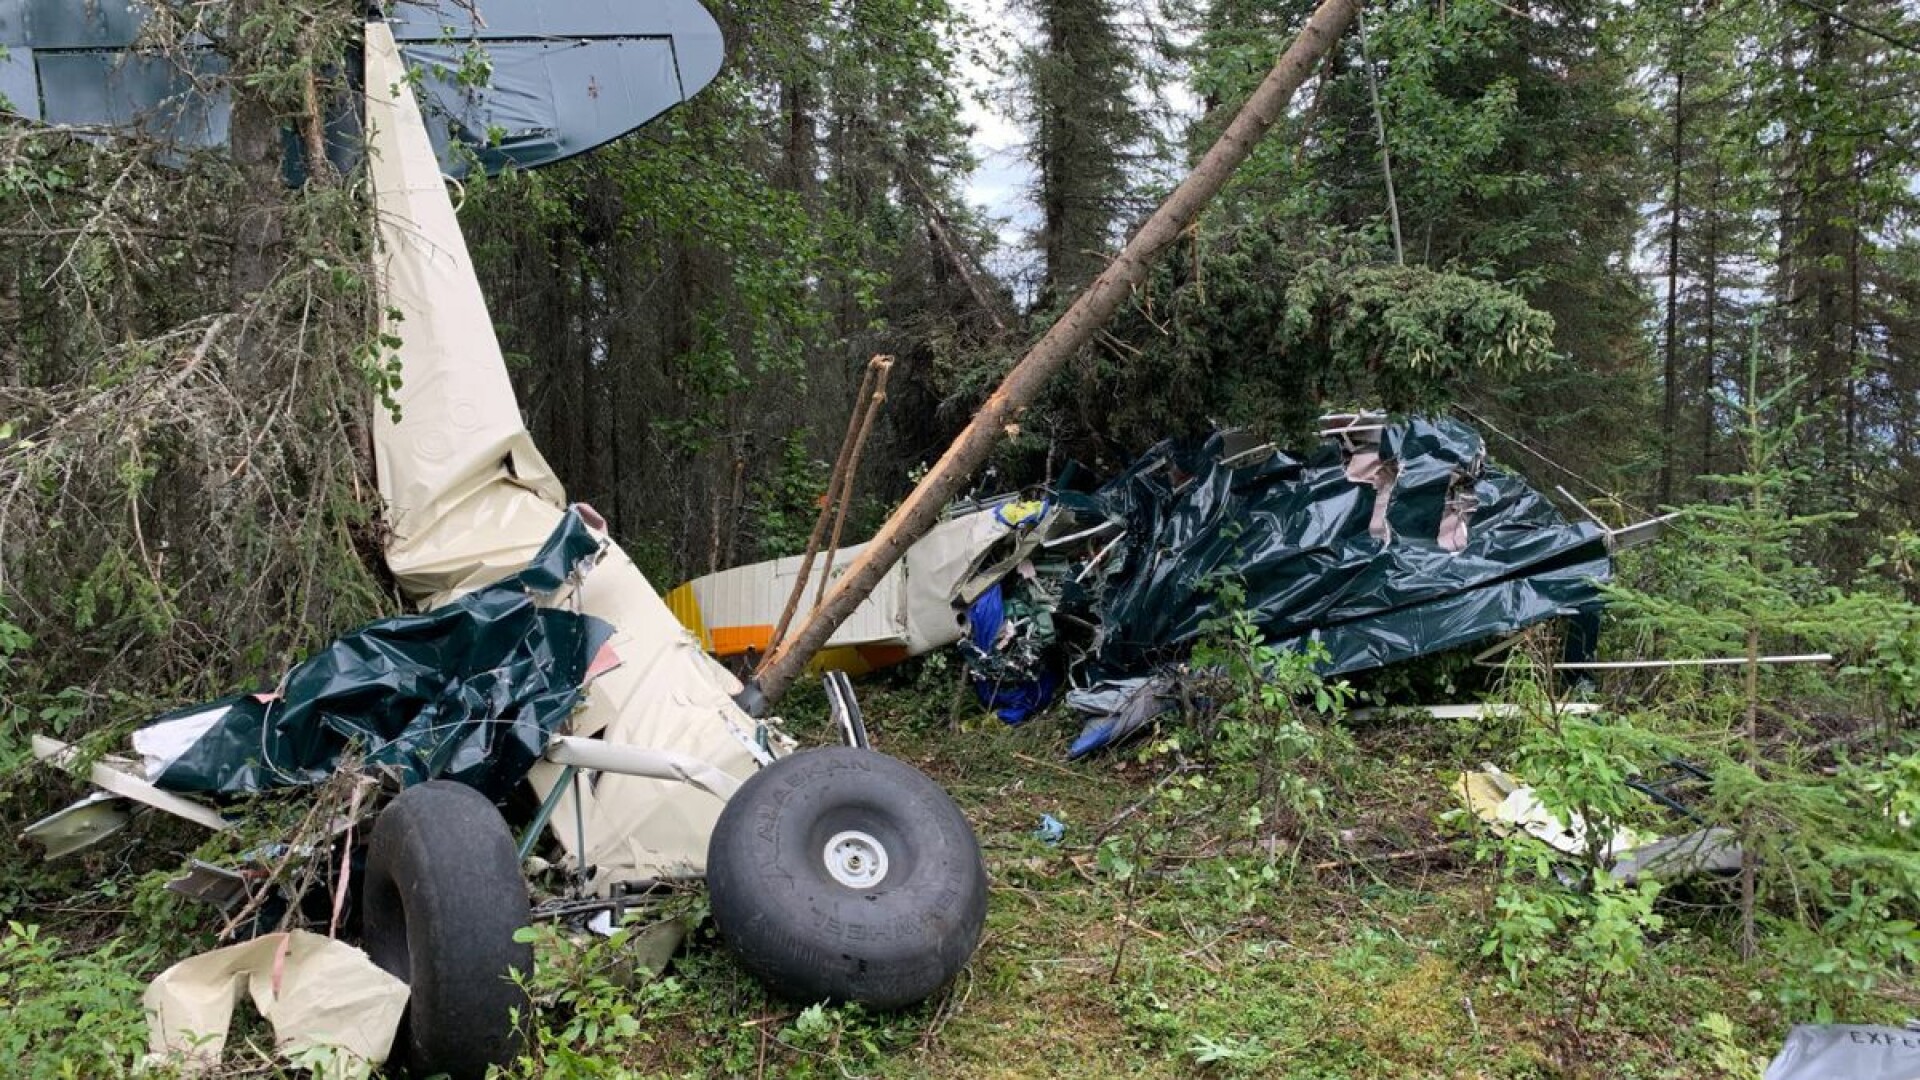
(443, 900)
(841, 874)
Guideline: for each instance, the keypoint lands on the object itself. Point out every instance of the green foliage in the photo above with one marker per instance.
(594, 1009)
(1249, 328)
(1582, 931)
(69, 1016)
(787, 504)
(1085, 123)
(1829, 891)
(1259, 751)
(693, 300)
(1550, 936)
(13, 641)
(185, 401)
(1515, 163)
(1273, 721)
(1839, 880)
(600, 1014)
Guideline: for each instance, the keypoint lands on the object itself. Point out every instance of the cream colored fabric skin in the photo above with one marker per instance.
(912, 606)
(470, 500)
(315, 991)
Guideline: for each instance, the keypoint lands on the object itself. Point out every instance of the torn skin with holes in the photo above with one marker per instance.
(1392, 540)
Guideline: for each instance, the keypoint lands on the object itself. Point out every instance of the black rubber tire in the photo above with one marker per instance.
(885, 943)
(443, 899)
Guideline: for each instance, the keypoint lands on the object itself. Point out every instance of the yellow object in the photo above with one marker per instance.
(912, 611)
(686, 607)
(1019, 513)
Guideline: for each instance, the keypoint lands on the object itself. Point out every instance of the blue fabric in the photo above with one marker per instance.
(984, 619)
(1051, 830)
(1098, 733)
(1013, 702)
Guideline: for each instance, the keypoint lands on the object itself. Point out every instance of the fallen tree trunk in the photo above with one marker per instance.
(1091, 311)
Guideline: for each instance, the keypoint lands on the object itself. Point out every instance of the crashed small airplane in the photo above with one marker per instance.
(1395, 539)
(539, 660)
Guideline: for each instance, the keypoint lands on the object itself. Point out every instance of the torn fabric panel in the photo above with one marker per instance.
(469, 500)
(1847, 1052)
(471, 691)
(458, 439)
(315, 991)
(1119, 709)
(1307, 544)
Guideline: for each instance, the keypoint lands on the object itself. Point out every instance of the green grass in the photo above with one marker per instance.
(1219, 957)
(1188, 944)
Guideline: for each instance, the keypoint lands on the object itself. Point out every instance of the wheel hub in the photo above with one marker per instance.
(855, 859)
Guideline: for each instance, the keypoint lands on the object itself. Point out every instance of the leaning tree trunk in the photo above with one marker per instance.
(1091, 311)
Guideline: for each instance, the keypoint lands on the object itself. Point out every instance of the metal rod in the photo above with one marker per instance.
(545, 812)
(602, 756)
(1722, 661)
(579, 830)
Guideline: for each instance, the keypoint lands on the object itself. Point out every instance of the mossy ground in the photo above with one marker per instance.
(1356, 955)
(1203, 964)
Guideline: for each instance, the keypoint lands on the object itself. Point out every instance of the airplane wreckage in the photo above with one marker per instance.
(1394, 540)
(541, 664)
(542, 673)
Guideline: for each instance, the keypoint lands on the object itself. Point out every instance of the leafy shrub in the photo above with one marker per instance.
(68, 1015)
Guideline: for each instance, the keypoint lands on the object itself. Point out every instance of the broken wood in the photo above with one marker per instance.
(1091, 311)
(826, 506)
(881, 365)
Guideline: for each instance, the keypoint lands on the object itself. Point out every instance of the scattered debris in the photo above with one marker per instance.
(471, 691)
(1509, 806)
(79, 826)
(461, 703)
(1050, 831)
(1392, 541)
(118, 776)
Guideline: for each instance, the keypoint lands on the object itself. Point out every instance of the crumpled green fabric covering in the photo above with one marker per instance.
(471, 691)
(1294, 536)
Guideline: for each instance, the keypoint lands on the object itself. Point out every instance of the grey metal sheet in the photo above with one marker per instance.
(71, 24)
(566, 76)
(19, 83)
(153, 94)
(548, 99)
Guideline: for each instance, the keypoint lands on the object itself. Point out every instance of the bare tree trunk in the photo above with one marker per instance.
(1670, 407)
(1386, 155)
(861, 402)
(1749, 935)
(843, 500)
(1093, 310)
(1709, 363)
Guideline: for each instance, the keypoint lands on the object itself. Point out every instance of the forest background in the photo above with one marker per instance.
(1568, 221)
